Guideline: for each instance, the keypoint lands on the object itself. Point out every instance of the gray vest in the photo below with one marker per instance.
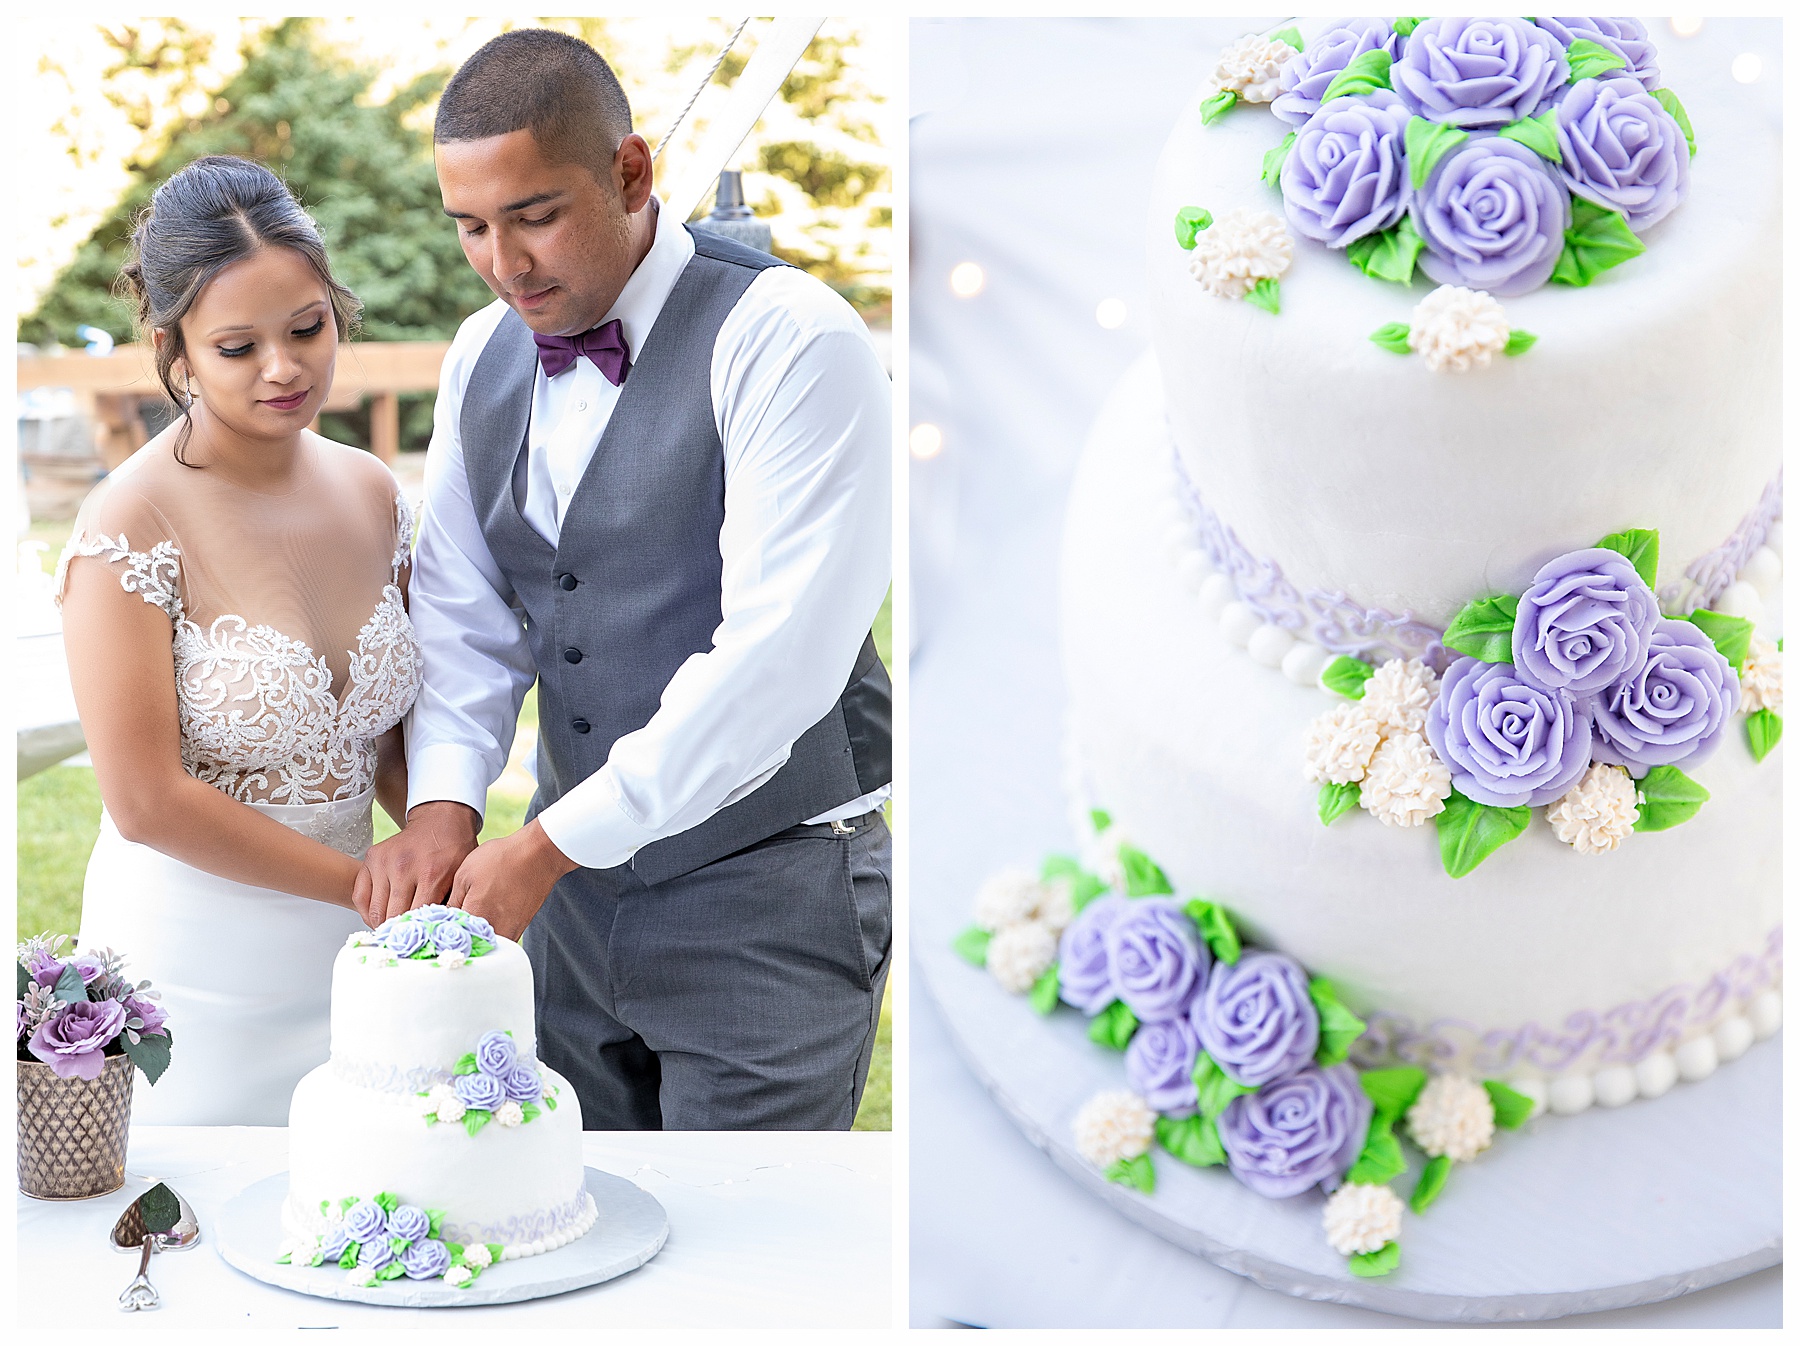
(633, 587)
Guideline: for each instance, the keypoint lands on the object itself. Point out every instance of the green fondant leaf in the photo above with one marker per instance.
(479, 946)
(1215, 1087)
(1100, 818)
(1519, 341)
(1217, 106)
(1113, 1026)
(426, 951)
(1426, 143)
(437, 1220)
(1378, 1263)
(1364, 75)
(530, 1111)
(392, 1271)
(1138, 1172)
(476, 1118)
(150, 1053)
(495, 1250)
(1431, 1182)
(1596, 240)
(1189, 221)
(456, 1251)
(324, 1207)
(972, 945)
(1672, 105)
(1730, 635)
(1337, 800)
(347, 1258)
(1511, 1108)
(1641, 546)
(1291, 36)
(69, 987)
(1216, 928)
(285, 1259)
(1083, 886)
(1193, 1140)
(1404, 27)
(1044, 991)
(1338, 1027)
(1389, 255)
(1484, 629)
(1587, 59)
(1392, 1090)
(1142, 877)
(1537, 134)
(346, 1203)
(1390, 336)
(1763, 730)
(1275, 158)
(1469, 832)
(1381, 1159)
(387, 1201)
(465, 1064)
(1346, 676)
(1265, 294)
(550, 1102)
(1667, 796)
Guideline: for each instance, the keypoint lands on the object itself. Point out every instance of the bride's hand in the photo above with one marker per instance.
(414, 868)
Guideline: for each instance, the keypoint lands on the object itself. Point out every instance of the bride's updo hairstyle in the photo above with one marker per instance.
(216, 211)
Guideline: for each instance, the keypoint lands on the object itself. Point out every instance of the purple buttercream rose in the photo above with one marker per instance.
(435, 912)
(1584, 622)
(1345, 175)
(451, 937)
(153, 1015)
(480, 1091)
(1492, 216)
(1298, 1132)
(1621, 149)
(1158, 962)
(523, 1085)
(365, 1221)
(1083, 971)
(1626, 38)
(496, 1054)
(479, 927)
(73, 1041)
(1159, 1063)
(337, 1238)
(406, 938)
(1478, 73)
(1673, 709)
(1256, 1018)
(1507, 741)
(425, 1259)
(408, 1222)
(1304, 78)
(375, 1254)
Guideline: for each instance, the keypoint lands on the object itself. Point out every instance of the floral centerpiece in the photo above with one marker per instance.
(84, 1029)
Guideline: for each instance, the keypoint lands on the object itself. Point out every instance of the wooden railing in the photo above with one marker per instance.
(108, 388)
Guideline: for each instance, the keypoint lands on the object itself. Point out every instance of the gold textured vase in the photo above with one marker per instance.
(72, 1132)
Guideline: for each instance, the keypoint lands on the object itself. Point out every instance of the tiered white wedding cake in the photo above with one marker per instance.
(433, 1142)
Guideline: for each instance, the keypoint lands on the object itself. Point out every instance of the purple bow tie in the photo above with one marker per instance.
(604, 345)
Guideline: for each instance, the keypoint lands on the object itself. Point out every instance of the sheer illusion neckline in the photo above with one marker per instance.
(306, 468)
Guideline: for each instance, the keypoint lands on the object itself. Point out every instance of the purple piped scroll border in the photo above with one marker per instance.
(1334, 621)
(1587, 1039)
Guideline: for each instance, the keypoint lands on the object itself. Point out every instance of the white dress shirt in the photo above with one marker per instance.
(802, 408)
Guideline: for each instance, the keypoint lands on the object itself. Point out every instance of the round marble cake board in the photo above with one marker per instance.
(1607, 1209)
(631, 1229)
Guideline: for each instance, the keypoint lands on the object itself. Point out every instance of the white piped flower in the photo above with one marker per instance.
(477, 1255)
(361, 1276)
(1011, 896)
(1241, 247)
(451, 1108)
(458, 1276)
(1453, 1115)
(1362, 1217)
(1458, 329)
(1251, 67)
(1100, 857)
(1760, 681)
(452, 958)
(300, 1250)
(1114, 1125)
(1340, 743)
(1597, 813)
(1057, 907)
(1019, 954)
(1405, 784)
(361, 938)
(1399, 694)
(509, 1113)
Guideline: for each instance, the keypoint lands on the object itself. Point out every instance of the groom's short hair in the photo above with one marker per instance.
(537, 79)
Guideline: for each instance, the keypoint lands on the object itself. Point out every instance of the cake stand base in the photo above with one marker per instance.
(631, 1229)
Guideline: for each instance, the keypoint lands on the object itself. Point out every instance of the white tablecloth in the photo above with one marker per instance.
(766, 1229)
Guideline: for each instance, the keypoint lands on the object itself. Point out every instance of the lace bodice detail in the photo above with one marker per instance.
(260, 716)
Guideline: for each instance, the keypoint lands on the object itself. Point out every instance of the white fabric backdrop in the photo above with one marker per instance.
(1032, 146)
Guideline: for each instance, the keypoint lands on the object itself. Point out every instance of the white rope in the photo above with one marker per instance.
(682, 115)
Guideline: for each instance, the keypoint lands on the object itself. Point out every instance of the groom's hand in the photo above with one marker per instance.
(415, 868)
(506, 880)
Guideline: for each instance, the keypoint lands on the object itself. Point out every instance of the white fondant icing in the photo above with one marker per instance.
(1215, 594)
(1741, 599)
(1656, 1075)
(1570, 1094)
(1615, 1086)
(1303, 664)
(1697, 1058)
(1193, 569)
(1732, 1037)
(1269, 645)
(1238, 622)
(1763, 569)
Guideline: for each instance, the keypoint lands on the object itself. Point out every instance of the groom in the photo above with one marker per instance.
(658, 485)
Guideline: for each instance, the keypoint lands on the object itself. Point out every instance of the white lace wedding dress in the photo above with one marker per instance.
(293, 653)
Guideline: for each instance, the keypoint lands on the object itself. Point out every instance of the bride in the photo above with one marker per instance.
(234, 611)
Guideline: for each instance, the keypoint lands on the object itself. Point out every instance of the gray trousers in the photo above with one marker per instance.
(743, 995)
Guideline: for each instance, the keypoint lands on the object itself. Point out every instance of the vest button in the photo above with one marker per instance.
(567, 581)
(573, 655)
(581, 726)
